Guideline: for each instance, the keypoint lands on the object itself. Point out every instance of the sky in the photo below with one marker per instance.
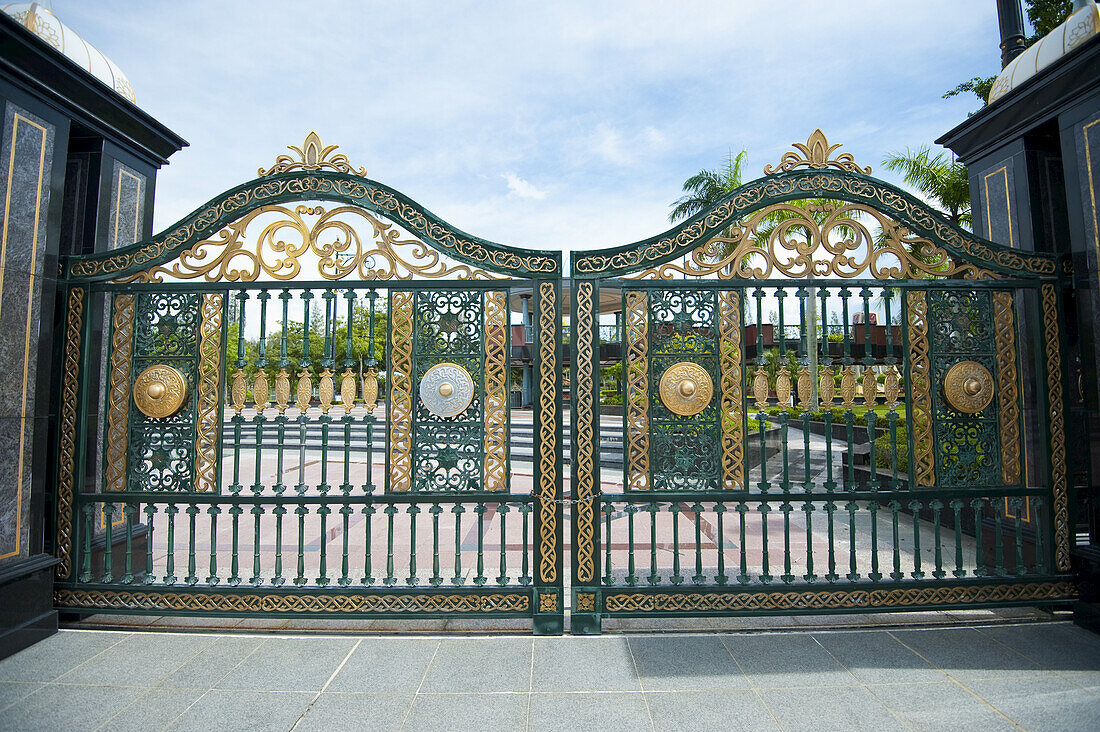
(555, 125)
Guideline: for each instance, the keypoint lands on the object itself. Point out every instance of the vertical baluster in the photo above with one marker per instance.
(875, 574)
(998, 539)
(390, 511)
(212, 578)
(607, 509)
(763, 485)
(128, 511)
(260, 391)
(698, 578)
(502, 578)
(787, 577)
(279, 511)
(979, 559)
(413, 509)
(870, 417)
(808, 509)
(765, 575)
(892, 415)
(326, 387)
(458, 578)
(256, 579)
(631, 578)
(369, 457)
(830, 510)
(323, 511)
(238, 392)
(170, 560)
(848, 390)
(150, 513)
(674, 509)
(525, 572)
(301, 511)
(435, 510)
(937, 505)
(826, 389)
(347, 389)
(1040, 550)
(192, 515)
(282, 395)
(807, 478)
(852, 507)
(303, 393)
(345, 580)
(108, 563)
(742, 510)
(956, 509)
(784, 426)
(720, 544)
(654, 576)
(479, 578)
(86, 560)
(369, 405)
(915, 507)
(368, 516)
(894, 507)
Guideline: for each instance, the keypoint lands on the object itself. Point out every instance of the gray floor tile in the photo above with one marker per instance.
(1086, 679)
(583, 664)
(341, 710)
(686, 662)
(154, 709)
(463, 712)
(701, 711)
(213, 663)
(480, 665)
(603, 712)
(223, 709)
(1048, 703)
(289, 664)
(939, 706)
(785, 660)
(58, 654)
(839, 708)
(876, 657)
(13, 691)
(69, 708)
(386, 664)
(142, 659)
(1058, 646)
(966, 653)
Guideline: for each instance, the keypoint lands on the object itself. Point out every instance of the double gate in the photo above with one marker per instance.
(298, 401)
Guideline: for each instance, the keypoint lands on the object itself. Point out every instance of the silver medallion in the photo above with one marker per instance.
(446, 389)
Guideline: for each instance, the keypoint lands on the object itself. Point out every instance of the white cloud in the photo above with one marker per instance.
(519, 187)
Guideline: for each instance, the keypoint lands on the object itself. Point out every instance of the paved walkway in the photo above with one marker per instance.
(1041, 676)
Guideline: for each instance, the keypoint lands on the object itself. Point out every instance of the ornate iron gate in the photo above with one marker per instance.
(833, 400)
(223, 452)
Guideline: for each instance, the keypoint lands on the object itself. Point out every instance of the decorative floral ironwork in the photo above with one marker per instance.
(920, 384)
(118, 394)
(815, 154)
(495, 470)
(732, 389)
(1059, 487)
(583, 429)
(70, 387)
(401, 391)
(1008, 393)
(548, 432)
(637, 390)
(312, 155)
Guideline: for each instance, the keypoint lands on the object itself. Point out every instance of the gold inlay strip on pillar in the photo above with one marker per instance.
(548, 433)
(70, 386)
(920, 385)
(118, 394)
(208, 409)
(732, 389)
(496, 392)
(637, 391)
(1057, 427)
(401, 391)
(585, 443)
(1004, 328)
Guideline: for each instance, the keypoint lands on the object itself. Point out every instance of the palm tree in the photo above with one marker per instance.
(939, 178)
(707, 187)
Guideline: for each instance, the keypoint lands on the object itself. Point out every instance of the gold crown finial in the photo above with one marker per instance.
(815, 154)
(312, 155)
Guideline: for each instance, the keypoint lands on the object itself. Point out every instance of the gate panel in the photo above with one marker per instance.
(249, 466)
(822, 411)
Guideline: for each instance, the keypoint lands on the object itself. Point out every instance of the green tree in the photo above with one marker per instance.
(707, 187)
(939, 177)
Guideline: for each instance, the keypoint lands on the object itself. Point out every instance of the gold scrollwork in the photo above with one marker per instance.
(370, 388)
(848, 388)
(637, 390)
(870, 389)
(331, 243)
(783, 387)
(208, 413)
(160, 391)
(760, 387)
(70, 386)
(891, 387)
(686, 388)
(548, 432)
(548, 602)
(661, 602)
(585, 445)
(312, 155)
(326, 391)
(732, 388)
(1004, 331)
(118, 395)
(826, 387)
(238, 390)
(586, 602)
(968, 387)
(261, 391)
(805, 384)
(1057, 427)
(495, 418)
(843, 245)
(282, 390)
(815, 154)
(920, 390)
(401, 391)
(347, 390)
